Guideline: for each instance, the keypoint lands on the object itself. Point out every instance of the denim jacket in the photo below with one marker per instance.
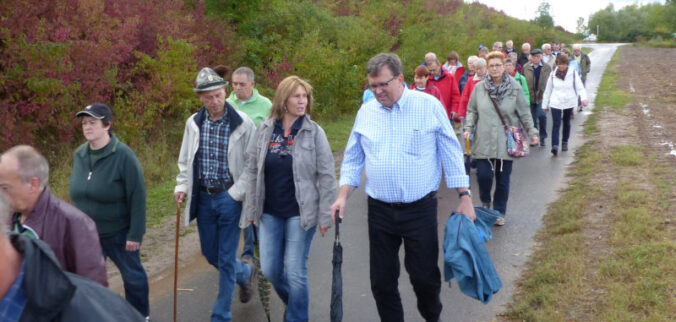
(313, 174)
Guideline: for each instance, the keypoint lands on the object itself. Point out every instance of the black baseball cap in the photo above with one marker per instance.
(98, 111)
(536, 51)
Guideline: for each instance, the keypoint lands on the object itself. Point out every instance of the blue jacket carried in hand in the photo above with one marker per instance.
(466, 258)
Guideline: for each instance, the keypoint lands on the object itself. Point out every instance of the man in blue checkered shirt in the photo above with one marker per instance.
(212, 182)
(402, 140)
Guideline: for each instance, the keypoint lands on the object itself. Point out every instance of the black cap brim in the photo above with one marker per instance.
(89, 113)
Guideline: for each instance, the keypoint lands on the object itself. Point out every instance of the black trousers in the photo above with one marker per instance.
(416, 225)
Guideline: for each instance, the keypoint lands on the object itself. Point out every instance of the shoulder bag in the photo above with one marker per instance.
(517, 141)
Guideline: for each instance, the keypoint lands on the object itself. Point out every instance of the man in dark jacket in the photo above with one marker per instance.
(34, 288)
(536, 74)
(24, 175)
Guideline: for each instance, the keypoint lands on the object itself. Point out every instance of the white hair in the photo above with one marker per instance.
(509, 42)
(546, 46)
(525, 45)
(479, 63)
(472, 59)
(577, 46)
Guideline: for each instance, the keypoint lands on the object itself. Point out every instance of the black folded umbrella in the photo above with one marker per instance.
(468, 157)
(337, 283)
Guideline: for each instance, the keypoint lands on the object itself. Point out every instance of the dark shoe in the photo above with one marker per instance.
(555, 150)
(564, 146)
(542, 142)
(246, 291)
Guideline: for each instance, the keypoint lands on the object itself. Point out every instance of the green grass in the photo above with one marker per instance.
(635, 280)
(338, 131)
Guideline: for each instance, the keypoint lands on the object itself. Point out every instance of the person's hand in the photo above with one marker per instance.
(545, 110)
(179, 196)
(323, 229)
(534, 140)
(466, 208)
(452, 115)
(466, 135)
(338, 205)
(132, 246)
(585, 103)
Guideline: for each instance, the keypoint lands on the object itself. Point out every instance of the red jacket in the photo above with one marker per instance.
(466, 94)
(432, 90)
(458, 73)
(448, 87)
(70, 234)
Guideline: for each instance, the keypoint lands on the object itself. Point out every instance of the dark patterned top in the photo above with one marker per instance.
(213, 152)
(280, 190)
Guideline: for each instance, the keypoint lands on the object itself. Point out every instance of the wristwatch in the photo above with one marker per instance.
(465, 193)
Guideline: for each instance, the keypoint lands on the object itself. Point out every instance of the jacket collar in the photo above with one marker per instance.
(40, 207)
(254, 97)
(110, 148)
(306, 126)
(233, 116)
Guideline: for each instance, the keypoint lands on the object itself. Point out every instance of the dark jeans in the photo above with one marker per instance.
(248, 248)
(501, 170)
(416, 225)
(133, 274)
(539, 119)
(556, 124)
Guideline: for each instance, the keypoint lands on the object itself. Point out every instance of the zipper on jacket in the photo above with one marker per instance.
(89, 176)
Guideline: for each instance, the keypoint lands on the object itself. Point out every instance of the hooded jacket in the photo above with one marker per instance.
(54, 295)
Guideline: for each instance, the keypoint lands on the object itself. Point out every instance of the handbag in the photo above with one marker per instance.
(517, 141)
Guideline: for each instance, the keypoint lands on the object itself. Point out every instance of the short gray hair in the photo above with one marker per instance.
(472, 59)
(525, 45)
(509, 42)
(495, 44)
(577, 46)
(4, 214)
(31, 164)
(245, 70)
(377, 62)
(546, 46)
(479, 63)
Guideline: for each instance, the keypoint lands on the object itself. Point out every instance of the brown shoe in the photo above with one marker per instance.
(246, 291)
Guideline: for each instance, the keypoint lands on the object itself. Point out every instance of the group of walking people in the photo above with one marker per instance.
(246, 162)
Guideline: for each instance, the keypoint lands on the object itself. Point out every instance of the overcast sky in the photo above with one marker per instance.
(565, 13)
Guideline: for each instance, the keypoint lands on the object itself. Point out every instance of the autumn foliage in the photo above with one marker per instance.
(138, 56)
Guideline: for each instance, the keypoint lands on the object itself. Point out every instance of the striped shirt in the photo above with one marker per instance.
(403, 149)
(213, 152)
(12, 305)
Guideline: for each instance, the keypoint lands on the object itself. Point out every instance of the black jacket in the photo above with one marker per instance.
(55, 295)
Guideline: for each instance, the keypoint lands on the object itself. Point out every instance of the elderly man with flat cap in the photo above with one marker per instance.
(212, 182)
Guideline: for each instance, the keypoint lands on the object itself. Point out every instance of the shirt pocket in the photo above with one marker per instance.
(418, 142)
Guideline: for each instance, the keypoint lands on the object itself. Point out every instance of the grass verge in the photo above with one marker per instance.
(606, 251)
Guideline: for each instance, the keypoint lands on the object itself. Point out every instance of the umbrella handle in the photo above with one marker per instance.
(467, 146)
(338, 221)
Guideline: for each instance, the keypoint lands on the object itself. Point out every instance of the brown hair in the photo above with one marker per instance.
(453, 56)
(561, 60)
(496, 55)
(421, 71)
(285, 89)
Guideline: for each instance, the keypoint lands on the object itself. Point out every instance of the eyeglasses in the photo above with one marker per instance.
(496, 66)
(374, 87)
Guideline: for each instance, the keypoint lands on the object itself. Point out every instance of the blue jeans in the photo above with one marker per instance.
(556, 124)
(501, 170)
(285, 247)
(539, 119)
(133, 274)
(248, 249)
(218, 227)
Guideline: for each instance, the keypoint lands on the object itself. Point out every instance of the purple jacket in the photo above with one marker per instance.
(71, 234)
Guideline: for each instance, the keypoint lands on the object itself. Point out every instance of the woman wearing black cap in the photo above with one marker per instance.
(107, 184)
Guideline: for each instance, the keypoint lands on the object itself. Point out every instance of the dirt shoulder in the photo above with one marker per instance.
(607, 249)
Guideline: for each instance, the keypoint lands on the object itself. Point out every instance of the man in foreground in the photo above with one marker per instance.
(402, 140)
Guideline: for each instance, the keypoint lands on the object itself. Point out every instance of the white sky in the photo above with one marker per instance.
(564, 13)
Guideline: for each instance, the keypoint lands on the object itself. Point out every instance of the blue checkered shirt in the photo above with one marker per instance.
(14, 301)
(403, 149)
(213, 152)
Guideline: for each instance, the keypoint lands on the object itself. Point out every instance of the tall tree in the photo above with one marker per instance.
(543, 18)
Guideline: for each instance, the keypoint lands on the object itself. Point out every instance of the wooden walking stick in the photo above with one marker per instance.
(178, 228)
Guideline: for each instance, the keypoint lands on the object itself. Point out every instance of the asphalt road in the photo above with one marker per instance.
(535, 183)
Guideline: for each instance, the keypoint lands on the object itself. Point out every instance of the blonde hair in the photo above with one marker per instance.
(496, 55)
(285, 89)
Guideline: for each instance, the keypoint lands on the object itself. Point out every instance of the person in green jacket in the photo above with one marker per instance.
(246, 98)
(107, 184)
(511, 70)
